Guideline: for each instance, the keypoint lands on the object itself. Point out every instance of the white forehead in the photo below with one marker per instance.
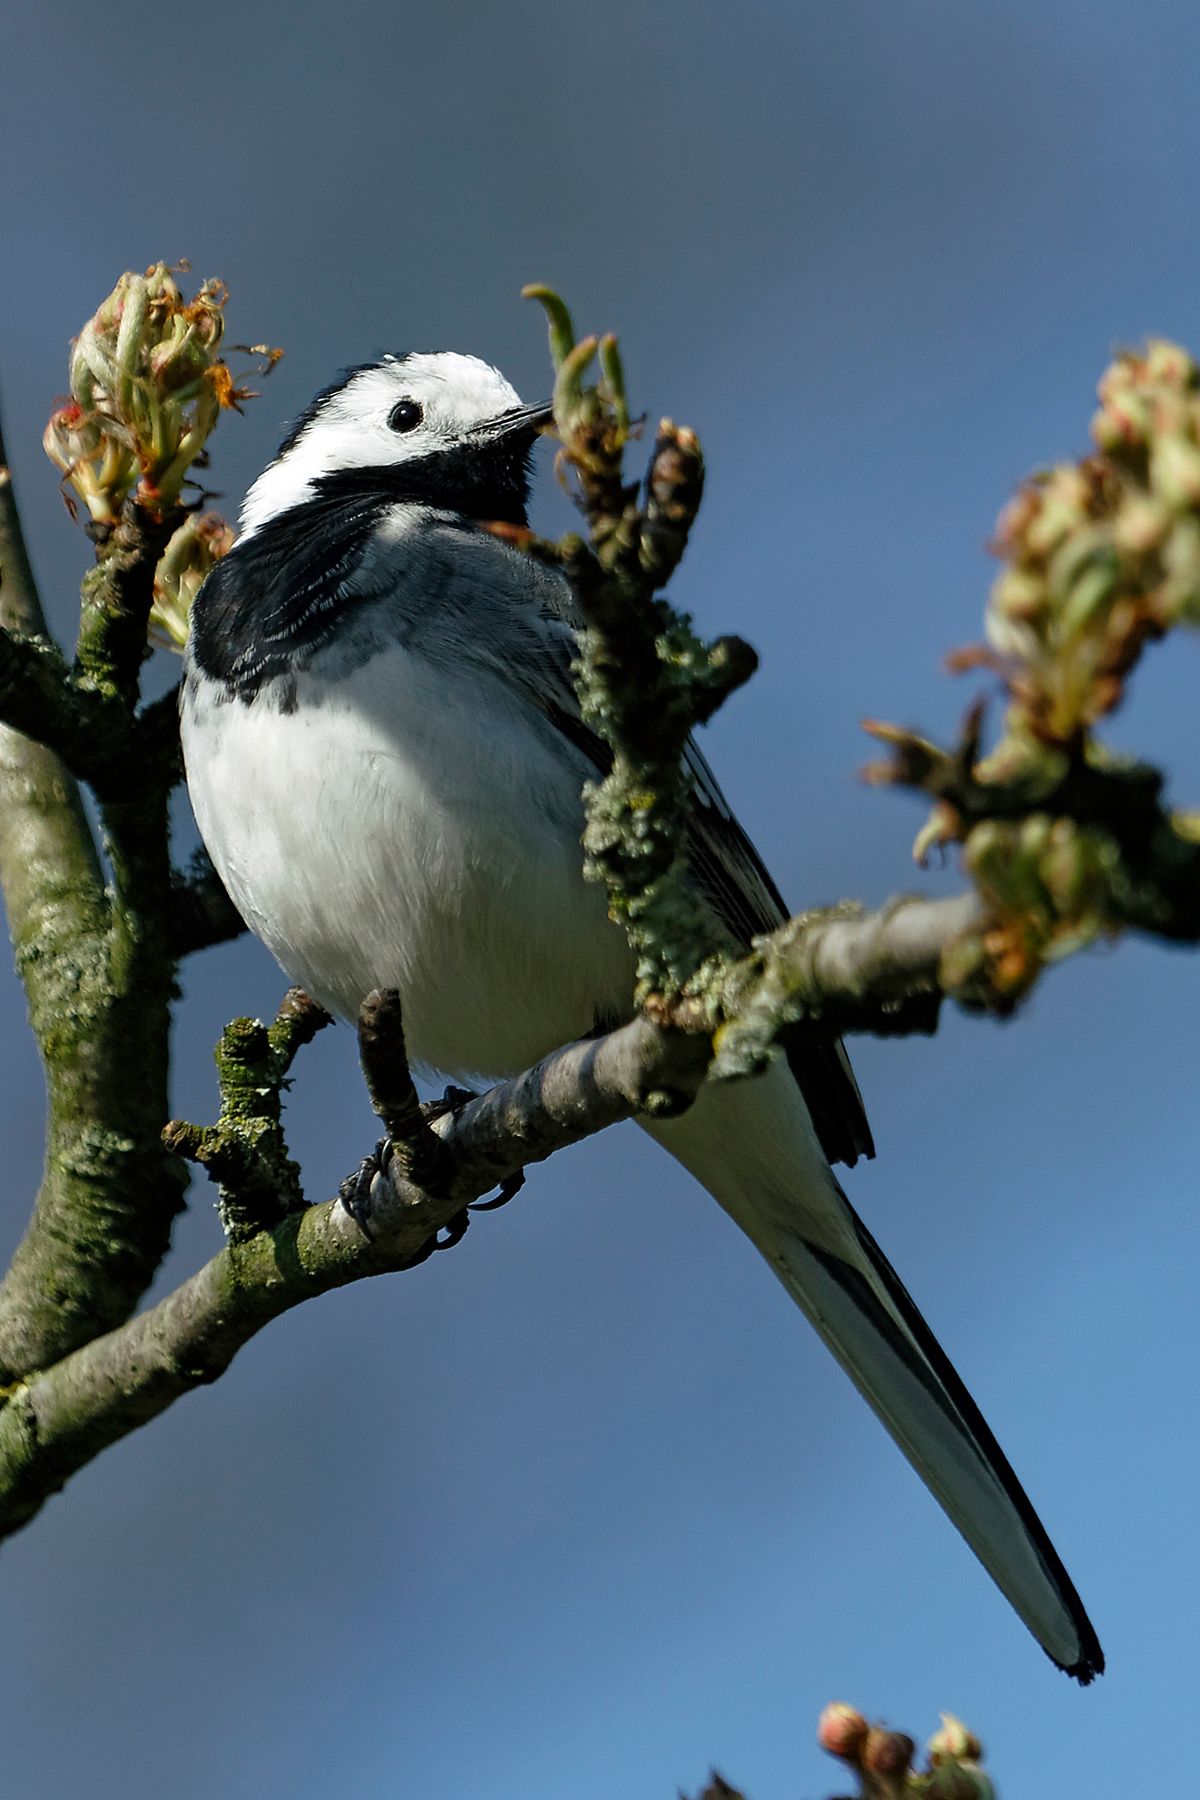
(455, 390)
(347, 426)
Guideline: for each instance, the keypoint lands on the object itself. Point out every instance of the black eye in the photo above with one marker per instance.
(406, 415)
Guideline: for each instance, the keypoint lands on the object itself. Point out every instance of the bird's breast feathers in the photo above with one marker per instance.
(410, 828)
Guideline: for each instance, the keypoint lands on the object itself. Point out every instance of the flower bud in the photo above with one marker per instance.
(1123, 421)
(1065, 495)
(1175, 471)
(1015, 520)
(1094, 585)
(1167, 363)
(954, 1739)
(147, 386)
(1141, 525)
(1017, 608)
(887, 1752)
(200, 541)
(842, 1731)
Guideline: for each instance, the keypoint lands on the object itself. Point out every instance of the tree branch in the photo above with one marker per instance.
(117, 596)
(845, 970)
(202, 914)
(60, 1418)
(65, 1415)
(58, 918)
(98, 981)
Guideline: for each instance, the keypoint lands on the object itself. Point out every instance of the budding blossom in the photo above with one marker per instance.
(200, 541)
(842, 1731)
(1102, 553)
(147, 385)
(884, 1760)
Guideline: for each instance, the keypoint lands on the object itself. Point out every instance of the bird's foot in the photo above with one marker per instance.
(451, 1101)
(355, 1191)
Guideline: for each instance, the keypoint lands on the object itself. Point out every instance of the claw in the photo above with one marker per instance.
(455, 1230)
(355, 1191)
(451, 1100)
(509, 1187)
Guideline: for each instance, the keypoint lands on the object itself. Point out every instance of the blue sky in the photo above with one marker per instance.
(585, 1507)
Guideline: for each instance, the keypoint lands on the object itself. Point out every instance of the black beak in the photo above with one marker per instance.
(521, 422)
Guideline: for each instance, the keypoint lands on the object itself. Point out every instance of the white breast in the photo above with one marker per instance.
(380, 835)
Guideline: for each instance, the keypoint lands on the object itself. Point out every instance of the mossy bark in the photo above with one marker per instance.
(96, 965)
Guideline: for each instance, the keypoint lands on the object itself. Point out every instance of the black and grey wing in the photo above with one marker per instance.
(740, 889)
(725, 864)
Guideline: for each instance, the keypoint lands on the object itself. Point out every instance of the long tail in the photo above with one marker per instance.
(751, 1144)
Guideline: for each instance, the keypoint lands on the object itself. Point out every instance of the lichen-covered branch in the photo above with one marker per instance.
(61, 1417)
(844, 969)
(97, 957)
(645, 678)
(245, 1151)
(64, 1276)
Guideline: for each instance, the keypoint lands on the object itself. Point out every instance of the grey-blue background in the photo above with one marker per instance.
(585, 1506)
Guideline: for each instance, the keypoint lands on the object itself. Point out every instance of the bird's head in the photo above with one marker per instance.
(437, 428)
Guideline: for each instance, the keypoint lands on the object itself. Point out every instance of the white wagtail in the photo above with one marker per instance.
(385, 756)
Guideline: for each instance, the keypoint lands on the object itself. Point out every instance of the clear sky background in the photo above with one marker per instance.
(585, 1507)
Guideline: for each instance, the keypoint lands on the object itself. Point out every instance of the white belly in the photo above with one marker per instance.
(375, 838)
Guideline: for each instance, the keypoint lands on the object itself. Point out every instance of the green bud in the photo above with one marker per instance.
(1017, 609)
(954, 1739)
(1175, 471)
(573, 402)
(558, 318)
(191, 552)
(614, 384)
(1092, 591)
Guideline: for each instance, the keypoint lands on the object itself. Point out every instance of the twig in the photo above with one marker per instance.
(417, 1150)
(202, 914)
(245, 1151)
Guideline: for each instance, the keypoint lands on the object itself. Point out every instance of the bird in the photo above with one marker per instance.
(385, 757)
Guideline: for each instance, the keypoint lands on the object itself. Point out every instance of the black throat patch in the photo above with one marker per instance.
(280, 596)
